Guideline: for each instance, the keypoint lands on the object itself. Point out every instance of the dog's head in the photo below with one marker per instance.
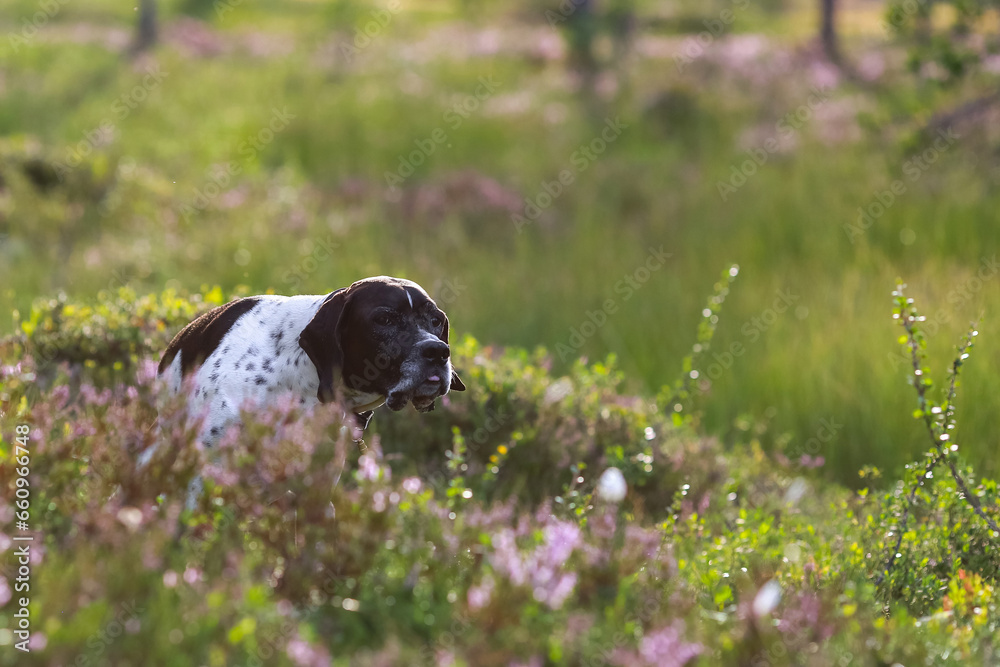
(383, 336)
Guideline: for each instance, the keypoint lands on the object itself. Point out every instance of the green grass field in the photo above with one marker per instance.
(595, 497)
(294, 136)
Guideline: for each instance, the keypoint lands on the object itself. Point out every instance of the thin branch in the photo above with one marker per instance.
(937, 427)
(929, 420)
(934, 461)
(942, 121)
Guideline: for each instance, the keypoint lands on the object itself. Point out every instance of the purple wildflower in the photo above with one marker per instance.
(479, 596)
(542, 568)
(662, 648)
(304, 654)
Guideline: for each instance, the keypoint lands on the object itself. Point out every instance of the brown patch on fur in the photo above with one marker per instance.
(199, 339)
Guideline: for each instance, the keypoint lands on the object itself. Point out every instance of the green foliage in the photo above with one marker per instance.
(937, 528)
(449, 546)
(133, 217)
(476, 533)
(109, 336)
(692, 365)
(954, 35)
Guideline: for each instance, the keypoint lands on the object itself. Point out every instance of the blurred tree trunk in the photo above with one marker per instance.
(582, 27)
(828, 31)
(146, 28)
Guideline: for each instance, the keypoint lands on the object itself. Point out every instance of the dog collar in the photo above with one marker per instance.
(377, 403)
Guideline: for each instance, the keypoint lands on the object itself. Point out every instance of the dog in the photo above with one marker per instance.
(382, 340)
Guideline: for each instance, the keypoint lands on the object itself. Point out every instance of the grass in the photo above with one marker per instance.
(655, 185)
(483, 533)
(478, 534)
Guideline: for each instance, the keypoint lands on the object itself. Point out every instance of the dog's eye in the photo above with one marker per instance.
(436, 321)
(382, 319)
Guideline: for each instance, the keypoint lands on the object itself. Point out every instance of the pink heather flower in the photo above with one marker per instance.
(534, 661)
(305, 654)
(561, 538)
(562, 590)
(811, 461)
(5, 593)
(647, 541)
(577, 625)
(191, 575)
(412, 485)
(603, 524)
(665, 648)
(703, 504)
(542, 567)
(60, 395)
(221, 475)
(91, 396)
(479, 596)
(169, 578)
(146, 373)
(803, 614)
(83, 429)
(38, 641)
(369, 469)
(506, 558)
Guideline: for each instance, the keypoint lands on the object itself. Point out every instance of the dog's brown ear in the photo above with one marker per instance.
(456, 382)
(447, 326)
(321, 341)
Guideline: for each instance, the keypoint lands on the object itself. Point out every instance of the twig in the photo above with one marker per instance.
(937, 428)
(905, 518)
(936, 438)
(943, 121)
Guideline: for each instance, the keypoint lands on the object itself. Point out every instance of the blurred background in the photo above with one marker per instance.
(570, 174)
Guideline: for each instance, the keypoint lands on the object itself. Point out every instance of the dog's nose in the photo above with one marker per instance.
(434, 350)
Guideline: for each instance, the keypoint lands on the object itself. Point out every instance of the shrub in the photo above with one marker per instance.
(475, 535)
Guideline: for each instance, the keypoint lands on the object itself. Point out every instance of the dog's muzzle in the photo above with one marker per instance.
(426, 375)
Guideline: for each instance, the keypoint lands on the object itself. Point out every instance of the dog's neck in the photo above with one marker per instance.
(362, 401)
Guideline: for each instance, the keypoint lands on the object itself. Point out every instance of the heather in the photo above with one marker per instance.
(252, 147)
(484, 533)
(699, 430)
